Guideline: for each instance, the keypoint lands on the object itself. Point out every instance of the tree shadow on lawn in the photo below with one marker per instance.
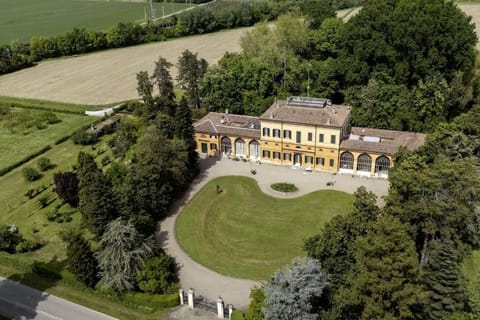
(177, 205)
(18, 299)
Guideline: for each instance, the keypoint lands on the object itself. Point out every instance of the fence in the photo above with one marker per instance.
(200, 302)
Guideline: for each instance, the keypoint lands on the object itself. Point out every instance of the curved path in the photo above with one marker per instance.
(236, 291)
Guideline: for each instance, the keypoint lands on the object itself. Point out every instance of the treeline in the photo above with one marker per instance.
(197, 21)
(402, 261)
(155, 160)
(399, 68)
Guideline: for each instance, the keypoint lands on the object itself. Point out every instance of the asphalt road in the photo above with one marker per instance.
(21, 302)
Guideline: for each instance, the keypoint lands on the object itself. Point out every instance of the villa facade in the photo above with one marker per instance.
(308, 133)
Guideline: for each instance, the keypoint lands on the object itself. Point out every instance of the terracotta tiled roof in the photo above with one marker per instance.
(229, 124)
(328, 116)
(390, 140)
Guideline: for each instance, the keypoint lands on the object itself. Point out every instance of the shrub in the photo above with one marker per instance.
(105, 160)
(84, 138)
(31, 193)
(44, 201)
(27, 246)
(284, 187)
(31, 174)
(44, 164)
(9, 238)
(158, 275)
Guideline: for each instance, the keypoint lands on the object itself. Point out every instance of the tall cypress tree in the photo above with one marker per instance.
(443, 280)
(184, 130)
(81, 261)
(97, 204)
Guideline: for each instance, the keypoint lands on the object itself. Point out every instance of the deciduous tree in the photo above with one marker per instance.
(66, 186)
(190, 71)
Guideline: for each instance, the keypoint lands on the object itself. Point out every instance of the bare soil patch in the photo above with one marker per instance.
(110, 76)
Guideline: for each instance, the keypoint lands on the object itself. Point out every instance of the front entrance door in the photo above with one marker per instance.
(297, 159)
(204, 148)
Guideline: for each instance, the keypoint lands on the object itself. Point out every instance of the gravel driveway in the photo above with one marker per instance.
(236, 291)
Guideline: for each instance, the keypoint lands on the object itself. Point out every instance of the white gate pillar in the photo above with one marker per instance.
(220, 309)
(230, 311)
(191, 298)
(180, 293)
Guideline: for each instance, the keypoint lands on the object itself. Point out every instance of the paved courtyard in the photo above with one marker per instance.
(236, 291)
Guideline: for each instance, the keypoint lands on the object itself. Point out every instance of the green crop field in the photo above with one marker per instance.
(245, 233)
(22, 19)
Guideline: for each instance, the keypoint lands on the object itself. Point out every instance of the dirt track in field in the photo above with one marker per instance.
(110, 76)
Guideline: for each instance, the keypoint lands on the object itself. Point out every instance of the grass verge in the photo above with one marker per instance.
(242, 232)
(51, 105)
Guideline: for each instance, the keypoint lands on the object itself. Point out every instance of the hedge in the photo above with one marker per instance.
(24, 160)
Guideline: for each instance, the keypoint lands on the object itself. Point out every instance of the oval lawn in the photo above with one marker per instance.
(244, 233)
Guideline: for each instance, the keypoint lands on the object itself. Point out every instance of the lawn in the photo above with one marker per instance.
(24, 142)
(244, 233)
(20, 20)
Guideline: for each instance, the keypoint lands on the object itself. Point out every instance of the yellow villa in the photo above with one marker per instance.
(301, 132)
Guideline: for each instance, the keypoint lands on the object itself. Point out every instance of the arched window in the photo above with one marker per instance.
(240, 147)
(254, 150)
(346, 161)
(364, 163)
(382, 165)
(226, 145)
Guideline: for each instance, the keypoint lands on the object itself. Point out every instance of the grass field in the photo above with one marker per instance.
(245, 233)
(16, 208)
(20, 20)
(17, 146)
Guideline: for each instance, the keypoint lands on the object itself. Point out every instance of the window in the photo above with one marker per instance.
(287, 156)
(320, 137)
(266, 154)
(266, 132)
(308, 160)
(276, 155)
(382, 165)
(346, 160)
(320, 161)
(276, 133)
(364, 163)
(287, 134)
(333, 139)
(213, 146)
(331, 162)
(310, 136)
(299, 137)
